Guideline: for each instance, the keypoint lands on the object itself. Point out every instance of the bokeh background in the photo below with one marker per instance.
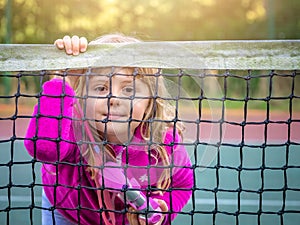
(271, 154)
(42, 21)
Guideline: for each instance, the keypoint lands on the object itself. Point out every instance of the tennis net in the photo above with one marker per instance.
(239, 102)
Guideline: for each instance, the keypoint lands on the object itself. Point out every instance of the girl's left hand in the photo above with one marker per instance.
(72, 45)
(134, 219)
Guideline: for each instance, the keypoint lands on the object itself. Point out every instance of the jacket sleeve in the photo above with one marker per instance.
(182, 178)
(49, 134)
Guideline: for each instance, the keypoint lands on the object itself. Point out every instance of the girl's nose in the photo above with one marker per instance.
(114, 100)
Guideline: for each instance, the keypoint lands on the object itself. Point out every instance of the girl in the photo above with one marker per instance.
(95, 116)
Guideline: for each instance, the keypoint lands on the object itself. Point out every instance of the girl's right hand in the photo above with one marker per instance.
(134, 219)
(72, 45)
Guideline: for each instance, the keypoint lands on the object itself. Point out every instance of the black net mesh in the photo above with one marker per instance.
(241, 135)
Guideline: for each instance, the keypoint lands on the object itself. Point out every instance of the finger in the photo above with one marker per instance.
(129, 217)
(163, 205)
(157, 193)
(75, 45)
(67, 44)
(83, 44)
(164, 208)
(142, 222)
(132, 218)
(59, 43)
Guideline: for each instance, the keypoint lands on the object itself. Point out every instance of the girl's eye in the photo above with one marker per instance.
(128, 90)
(101, 89)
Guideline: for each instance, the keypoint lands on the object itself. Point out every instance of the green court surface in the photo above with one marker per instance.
(235, 185)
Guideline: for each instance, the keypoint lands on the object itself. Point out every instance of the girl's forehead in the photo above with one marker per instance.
(114, 77)
(119, 73)
(113, 70)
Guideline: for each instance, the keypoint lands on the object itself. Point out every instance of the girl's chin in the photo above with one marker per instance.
(116, 135)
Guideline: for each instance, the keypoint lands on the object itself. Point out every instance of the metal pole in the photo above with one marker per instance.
(271, 18)
(8, 15)
(8, 40)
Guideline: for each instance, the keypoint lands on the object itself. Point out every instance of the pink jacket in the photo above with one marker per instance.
(67, 184)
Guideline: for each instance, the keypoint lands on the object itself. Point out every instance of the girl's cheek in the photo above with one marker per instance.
(140, 106)
(92, 107)
(95, 104)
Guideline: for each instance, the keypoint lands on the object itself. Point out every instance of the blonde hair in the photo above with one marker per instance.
(159, 114)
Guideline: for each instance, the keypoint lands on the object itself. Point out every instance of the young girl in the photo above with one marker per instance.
(95, 116)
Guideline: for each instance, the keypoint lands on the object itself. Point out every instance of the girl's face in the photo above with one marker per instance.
(117, 103)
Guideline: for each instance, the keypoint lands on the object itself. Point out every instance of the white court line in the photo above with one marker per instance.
(20, 198)
(198, 201)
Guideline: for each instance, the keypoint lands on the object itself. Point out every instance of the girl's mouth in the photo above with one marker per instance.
(114, 116)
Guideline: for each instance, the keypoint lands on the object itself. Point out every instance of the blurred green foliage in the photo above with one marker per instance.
(43, 21)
